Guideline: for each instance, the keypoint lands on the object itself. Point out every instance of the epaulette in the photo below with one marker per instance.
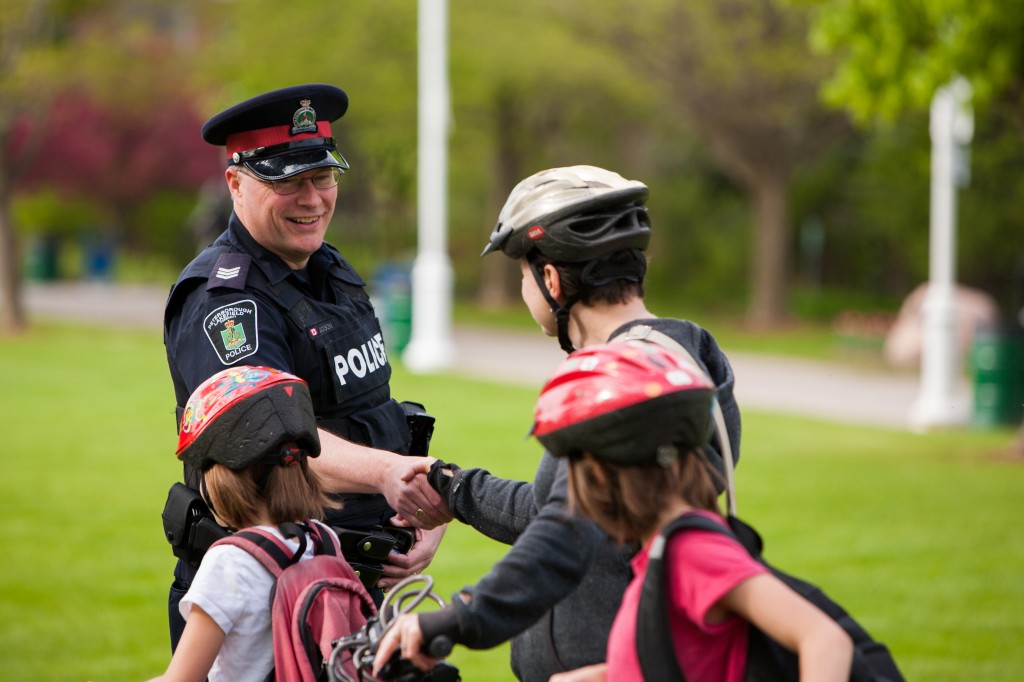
(230, 271)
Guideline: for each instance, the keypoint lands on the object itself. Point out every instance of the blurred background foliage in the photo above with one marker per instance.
(785, 142)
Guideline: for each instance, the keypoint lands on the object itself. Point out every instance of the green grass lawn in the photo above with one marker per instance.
(915, 534)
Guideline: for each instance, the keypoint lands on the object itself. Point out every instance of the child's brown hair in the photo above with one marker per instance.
(628, 500)
(284, 493)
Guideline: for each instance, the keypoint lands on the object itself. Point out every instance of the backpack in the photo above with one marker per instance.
(313, 602)
(766, 658)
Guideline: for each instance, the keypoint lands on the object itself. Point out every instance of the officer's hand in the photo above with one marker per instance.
(409, 494)
(416, 561)
(405, 636)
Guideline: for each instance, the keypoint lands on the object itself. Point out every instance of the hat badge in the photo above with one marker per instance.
(304, 119)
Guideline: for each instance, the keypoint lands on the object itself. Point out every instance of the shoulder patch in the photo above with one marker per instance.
(232, 331)
(230, 271)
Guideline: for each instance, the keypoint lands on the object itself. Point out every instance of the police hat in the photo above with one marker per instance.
(283, 132)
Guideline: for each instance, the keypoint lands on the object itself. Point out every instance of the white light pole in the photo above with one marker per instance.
(431, 346)
(951, 127)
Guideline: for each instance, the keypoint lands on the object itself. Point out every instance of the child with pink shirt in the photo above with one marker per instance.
(632, 418)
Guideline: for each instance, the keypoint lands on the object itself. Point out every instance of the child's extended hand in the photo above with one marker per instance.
(404, 635)
(592, 673)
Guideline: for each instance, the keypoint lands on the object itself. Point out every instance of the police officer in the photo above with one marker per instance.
(270, 291)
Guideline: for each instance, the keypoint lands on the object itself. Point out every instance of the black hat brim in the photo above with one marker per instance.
(288, 164)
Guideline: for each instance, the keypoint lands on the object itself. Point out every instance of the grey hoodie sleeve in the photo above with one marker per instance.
(546, 563)
(500, 508)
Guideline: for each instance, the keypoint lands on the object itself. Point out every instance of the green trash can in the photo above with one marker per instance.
(997, 364)
(42, 263)
(392, 286)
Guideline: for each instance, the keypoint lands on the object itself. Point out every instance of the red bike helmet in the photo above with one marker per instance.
(244, 414)
(629, 402)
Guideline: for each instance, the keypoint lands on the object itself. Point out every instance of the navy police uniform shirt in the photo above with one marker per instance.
(238, 303)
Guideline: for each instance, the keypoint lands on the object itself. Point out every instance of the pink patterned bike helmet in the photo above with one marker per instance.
(244, 414)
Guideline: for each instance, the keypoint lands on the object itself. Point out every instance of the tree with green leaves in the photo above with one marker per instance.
(741, 75)
(27, 33)
(528, 92)
(548, 95)
(892, 56)
(130, 56)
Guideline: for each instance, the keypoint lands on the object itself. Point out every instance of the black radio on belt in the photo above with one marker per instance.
(421, 427)
(188, 524)
(368, 549)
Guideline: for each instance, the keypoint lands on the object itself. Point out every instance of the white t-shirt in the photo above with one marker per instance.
(234, 589)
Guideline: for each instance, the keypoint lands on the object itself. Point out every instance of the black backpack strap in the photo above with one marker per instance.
(267, 549)
(654, 646)
(323, 538)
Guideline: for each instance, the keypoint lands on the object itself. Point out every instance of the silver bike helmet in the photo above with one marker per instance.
(572, 214)
(576, 214)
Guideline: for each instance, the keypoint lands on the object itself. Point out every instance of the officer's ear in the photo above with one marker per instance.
(234, 180)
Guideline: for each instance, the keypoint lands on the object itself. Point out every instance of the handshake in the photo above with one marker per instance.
(423, 493)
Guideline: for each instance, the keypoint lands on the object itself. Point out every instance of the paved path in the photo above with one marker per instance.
(768, 383)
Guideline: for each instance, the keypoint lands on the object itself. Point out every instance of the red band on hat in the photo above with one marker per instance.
(265, 137)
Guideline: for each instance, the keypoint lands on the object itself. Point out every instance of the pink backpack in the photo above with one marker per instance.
(313, 602)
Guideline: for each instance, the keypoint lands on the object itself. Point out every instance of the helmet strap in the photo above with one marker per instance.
(204, 492)
(561, 311)
(562, 320)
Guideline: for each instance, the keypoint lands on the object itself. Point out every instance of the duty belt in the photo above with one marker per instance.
(368, 549)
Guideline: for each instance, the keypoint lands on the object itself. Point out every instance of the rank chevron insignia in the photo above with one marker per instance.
(228, 273)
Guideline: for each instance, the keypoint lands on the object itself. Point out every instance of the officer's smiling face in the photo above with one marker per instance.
(292, 225)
